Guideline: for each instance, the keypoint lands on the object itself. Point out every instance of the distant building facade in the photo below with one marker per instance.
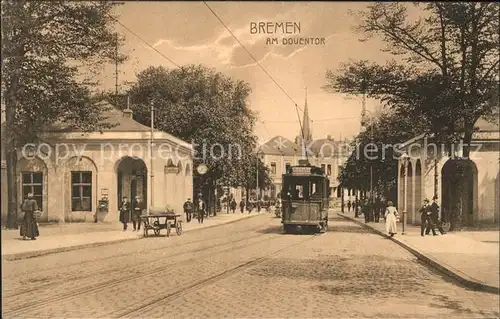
(78, 169)
(328, 153)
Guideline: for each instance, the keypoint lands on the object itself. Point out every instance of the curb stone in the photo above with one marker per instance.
(430, 261)
(34, 254)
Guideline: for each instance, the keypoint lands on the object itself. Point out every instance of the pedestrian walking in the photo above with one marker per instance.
(390, 215)
(201, 211)
(367, 211)
(137, 207)
(434, 221)
(425, 212)
(348, 205)
(233, 206)
(29, 227)
(125, 212)
(258, 206)
(242, 206)
(250, 207)
(378, 209)
(188, 209)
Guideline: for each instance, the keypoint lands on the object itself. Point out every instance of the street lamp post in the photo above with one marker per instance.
(151, 155)
(371, 164)
(404, 157)
(257, 175)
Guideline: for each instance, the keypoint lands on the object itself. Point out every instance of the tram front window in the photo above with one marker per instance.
(304, 188)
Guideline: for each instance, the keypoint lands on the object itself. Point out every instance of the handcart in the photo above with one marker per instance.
(158, 221)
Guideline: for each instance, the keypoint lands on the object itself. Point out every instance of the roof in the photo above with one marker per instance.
(280, 145)
(121, 121)
(482, 126)
(327, 147)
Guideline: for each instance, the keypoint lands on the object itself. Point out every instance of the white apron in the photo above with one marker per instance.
(390, 220)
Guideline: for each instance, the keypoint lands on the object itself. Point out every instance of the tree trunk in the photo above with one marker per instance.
(215, 196)
(467, 142)
(13, 206)
(16, 56)
(341, 199)
(356, 209)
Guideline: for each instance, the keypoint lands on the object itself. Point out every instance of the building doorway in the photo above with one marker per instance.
(132, 175)
(459, 192)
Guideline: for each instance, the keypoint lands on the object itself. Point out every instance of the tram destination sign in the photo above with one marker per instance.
(301, 171)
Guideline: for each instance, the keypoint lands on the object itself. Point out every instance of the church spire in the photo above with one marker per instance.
(306, 122)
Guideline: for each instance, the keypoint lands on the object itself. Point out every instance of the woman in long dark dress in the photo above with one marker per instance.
(29, 228)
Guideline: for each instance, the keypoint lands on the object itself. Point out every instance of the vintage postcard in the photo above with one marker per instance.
(203, 159)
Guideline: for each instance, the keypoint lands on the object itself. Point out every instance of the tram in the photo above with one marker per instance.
(305, 199)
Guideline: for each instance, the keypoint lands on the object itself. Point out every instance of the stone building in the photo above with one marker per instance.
(428, 170)
(73, 170)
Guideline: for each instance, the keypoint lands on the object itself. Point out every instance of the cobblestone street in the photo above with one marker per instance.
(244, 269)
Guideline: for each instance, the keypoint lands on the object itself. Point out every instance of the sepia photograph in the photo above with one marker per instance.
(250, 159)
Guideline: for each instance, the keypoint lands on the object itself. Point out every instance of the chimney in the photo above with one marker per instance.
(128, 112)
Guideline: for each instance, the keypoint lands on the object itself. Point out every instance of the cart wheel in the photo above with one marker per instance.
(178, 229)
(168, 229)
(146, 232)
(157, 232)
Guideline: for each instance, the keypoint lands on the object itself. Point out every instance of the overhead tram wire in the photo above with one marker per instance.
(144, 41)
(320, 120)
(267, 130)
(297, 108)
(257, 62)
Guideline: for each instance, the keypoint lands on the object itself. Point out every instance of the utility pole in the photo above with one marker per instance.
(257, 170)
(371, 164)
(151, 173)
(116, 70)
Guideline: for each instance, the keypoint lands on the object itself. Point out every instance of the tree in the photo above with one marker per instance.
(381, 136)
(448, 74)
(206, 108)
(252, 164)
(45, 44)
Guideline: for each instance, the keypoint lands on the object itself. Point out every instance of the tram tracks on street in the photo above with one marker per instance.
(196, 285)
(150, 259)
(6, 259)
(31, 304)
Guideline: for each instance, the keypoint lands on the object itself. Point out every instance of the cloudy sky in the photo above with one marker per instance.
(188, 33)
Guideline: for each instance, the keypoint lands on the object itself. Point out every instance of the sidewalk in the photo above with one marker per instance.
(470, 257)
(70, 236)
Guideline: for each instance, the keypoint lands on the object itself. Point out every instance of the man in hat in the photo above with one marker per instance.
(188, 209)
(242, 206)
(125, 212)
(137, 208)
(434, 218)
(201, 210)
(425, 212)
(233, 205)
